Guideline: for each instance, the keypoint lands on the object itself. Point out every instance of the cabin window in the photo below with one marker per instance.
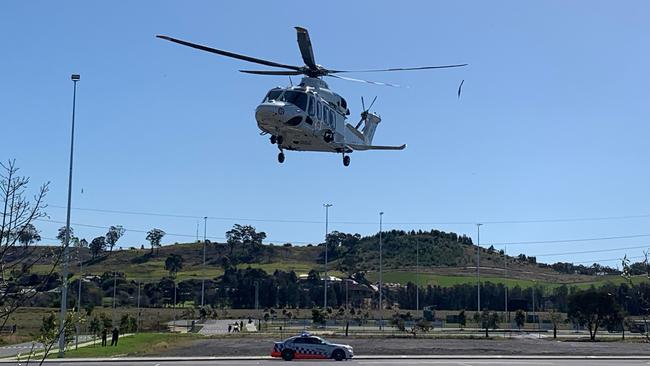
(332, 120)
(319, 111)
(326, 117)
(273, 95)
(312, 107)
(344, 104)
(299, 99)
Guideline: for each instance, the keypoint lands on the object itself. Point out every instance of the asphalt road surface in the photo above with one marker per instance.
(378, 362)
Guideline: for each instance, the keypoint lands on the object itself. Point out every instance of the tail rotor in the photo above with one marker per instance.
(364, 114)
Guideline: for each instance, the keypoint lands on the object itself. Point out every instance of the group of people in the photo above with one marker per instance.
(235, 327)
(115, 335)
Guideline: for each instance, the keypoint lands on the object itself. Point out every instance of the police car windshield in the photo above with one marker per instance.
(299, 99)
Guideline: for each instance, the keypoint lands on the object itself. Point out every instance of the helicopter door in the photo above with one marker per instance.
(311, 110)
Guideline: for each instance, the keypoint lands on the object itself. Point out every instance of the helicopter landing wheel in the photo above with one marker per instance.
(281, 158)
(274, 139)
(280, 140)
(346, 160)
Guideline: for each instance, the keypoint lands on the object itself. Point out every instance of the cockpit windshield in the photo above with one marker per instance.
(299, 99)
(273, 95)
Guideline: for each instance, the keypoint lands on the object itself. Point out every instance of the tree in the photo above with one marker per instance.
(113, 235)
(154, 236)
(246, 237)
(28, 235)
(16, 227)
(556, 318)
(173, 264)
(594, 309)
(94, 328)
(61, 234)
(520, 318)
(487, 320)
(97, 246)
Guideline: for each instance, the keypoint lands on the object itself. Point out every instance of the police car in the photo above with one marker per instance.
(307, 346)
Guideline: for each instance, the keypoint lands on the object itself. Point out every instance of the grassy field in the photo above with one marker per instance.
(135, 345)
(403, 277)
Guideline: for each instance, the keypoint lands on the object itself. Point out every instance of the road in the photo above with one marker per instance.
(375, 362)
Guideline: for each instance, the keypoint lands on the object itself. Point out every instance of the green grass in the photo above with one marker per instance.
(448, 281)
(135, 345)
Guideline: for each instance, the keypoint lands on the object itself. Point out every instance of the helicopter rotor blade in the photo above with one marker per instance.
(371, 104)
(400, 69)
(270, 72)
(363, 81)
(306, 50)
(229, 54)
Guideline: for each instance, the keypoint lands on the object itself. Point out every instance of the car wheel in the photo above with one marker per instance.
(338, 355)
(287, 355)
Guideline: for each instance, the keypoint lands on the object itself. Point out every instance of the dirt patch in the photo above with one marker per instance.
(408, 346)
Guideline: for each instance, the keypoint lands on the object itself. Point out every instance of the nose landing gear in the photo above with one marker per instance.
(346, 160)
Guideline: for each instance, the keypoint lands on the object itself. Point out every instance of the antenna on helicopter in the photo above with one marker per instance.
(290, 81)
(364, 114)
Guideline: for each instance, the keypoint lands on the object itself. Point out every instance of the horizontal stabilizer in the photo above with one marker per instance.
(376, 147)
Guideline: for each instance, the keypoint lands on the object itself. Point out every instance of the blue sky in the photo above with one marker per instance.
(552, 123)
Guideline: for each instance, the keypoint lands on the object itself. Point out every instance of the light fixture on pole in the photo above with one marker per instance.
(66, 244)
(478, 266)
(327, 207)
(381, 215)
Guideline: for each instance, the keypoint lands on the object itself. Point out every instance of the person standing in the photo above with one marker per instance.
(104, 332)
(114, 335)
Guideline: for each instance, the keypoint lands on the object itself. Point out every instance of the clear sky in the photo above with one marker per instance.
(552, 122)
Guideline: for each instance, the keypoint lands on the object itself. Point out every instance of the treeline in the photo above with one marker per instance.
(237, 287)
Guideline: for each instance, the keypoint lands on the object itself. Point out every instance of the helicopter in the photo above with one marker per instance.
(310, 116)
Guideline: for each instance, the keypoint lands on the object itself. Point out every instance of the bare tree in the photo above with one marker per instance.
(17, 233)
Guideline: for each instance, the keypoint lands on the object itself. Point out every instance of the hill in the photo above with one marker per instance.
(445, 259)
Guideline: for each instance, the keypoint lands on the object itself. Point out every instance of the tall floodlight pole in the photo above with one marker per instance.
(505, 274)
(327, 207)
(64, 282)
(417, 276)
(478, 266)
(81, 276)
(381, 215)
(205, 236)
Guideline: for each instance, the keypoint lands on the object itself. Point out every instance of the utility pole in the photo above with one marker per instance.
(114, 295)
(138, 322)
(381, 215)
(327, 207)
(478, 266)
(205, 231)
(257, 295)
(174, 306)
(66, 244)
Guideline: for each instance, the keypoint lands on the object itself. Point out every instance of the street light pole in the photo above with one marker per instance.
(417, 276)
(327, 207)
(381, 215)
(505, 274)
(64, 282)
(81, 276)
(205, 231)
(478, 266)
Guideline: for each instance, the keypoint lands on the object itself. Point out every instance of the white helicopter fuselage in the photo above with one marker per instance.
(310, 117)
